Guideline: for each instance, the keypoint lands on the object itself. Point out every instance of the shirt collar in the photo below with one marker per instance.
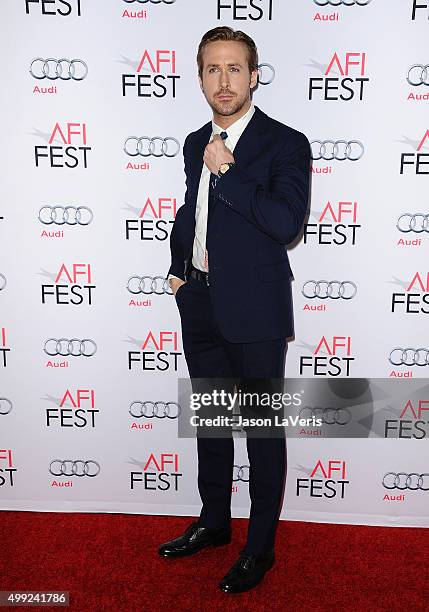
(236, 129)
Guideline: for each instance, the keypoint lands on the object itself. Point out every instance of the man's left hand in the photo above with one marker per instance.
(216, 154)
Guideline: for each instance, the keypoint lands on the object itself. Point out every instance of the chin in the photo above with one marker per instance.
(227, 109)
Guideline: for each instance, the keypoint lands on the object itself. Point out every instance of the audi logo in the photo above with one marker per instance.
(2, 281)
(417, 222)
(343, 2)
(70, 215)
(149, 284)
(266, 74)
(151, 1)
(409, 356)
(339, 150)
(418, 75)
(328, 416)
(324, 289)
(5, 405)
(63, 69)
(240, 472)
(73, 347)
(156, 146)
(69, 467)
(158, 410)
(403, 481)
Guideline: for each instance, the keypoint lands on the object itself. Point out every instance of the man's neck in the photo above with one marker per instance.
(226, 121)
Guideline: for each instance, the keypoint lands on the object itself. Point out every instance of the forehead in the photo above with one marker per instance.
(225, 52)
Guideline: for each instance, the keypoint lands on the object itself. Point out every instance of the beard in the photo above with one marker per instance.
(227, 108)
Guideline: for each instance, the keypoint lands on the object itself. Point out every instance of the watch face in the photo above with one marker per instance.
(223, 168)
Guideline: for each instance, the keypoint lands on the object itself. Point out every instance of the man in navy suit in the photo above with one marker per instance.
(247, 187)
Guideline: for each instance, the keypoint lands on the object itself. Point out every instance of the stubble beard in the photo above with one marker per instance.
(227, 109)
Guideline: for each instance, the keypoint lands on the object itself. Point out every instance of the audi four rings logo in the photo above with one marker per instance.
(329, 416)
(68, 348)
(337, 149)
(409, 356)
(69, 215)
(417, 222)
(266, 74)
(2, 281)
(329, 289)
(148, 285)
(403, 481)
(418, 75)
(69, 467)
(158, 410)
(156, 146)
(64, 69)
(5, 405)
(342, 2)
(241, 472)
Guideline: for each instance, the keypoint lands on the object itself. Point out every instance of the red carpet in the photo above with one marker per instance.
(108, 562)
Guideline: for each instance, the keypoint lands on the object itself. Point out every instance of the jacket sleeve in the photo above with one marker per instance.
(280, 210)
(177, 267)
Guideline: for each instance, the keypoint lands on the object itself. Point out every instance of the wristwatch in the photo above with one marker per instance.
(224, 168)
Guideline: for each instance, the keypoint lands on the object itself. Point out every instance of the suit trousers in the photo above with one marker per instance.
(209, 355)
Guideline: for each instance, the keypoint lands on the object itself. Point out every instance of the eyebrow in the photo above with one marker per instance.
(217, 65)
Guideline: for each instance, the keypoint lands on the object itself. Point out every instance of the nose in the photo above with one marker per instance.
(224, 78)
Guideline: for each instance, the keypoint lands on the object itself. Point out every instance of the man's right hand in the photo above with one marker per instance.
(175, 283)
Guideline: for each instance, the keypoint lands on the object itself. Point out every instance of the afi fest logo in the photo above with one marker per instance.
(416, 163)
(4, 350)
(336, 224)
(73, 410)
(411, 423)
(6, 468)
(336, 360)
(159, 473)
(154, 221)
(158, 351)
(63, 8)
(415, 298)
(419, 10)
(72, 285)
(155, 76)
(242, 10)
(72, 151)
(327, 479)
(351, 82)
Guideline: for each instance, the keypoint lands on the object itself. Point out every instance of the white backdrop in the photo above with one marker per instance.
(77, 407)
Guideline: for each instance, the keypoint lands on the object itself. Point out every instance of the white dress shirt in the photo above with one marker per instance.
(201, 212)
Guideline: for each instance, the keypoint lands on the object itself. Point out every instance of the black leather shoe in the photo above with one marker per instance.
(194, 539)
(247, 572)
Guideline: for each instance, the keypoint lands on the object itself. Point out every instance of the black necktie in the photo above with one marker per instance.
(212, 184)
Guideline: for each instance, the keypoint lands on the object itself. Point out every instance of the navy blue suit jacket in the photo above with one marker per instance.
(259, 207)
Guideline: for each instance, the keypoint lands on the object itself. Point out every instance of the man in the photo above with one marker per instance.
(247, 182)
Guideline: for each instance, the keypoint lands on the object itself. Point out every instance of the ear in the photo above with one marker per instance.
(253, 79)
(201, 83)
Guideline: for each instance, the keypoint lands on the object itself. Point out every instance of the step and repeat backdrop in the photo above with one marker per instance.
(97, 99)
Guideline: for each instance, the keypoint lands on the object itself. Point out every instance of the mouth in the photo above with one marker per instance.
(225, 97)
